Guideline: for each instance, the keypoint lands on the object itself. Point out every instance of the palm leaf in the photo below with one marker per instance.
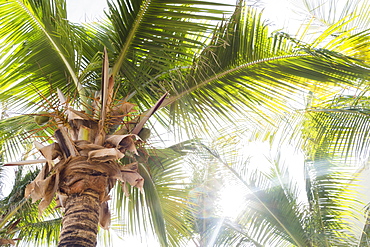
(247, 69)
(272, 208)
(276, 213)
(15, 135)
(144, 27)
(32, 32)
(29, 228)
(336, 12)
(163, 209)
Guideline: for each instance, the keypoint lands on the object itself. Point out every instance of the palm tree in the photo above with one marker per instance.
(17, 212)
(155, 48)
(276, 212)
(333, 133)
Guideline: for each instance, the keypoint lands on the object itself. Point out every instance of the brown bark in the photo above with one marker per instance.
(80, 221)
(86, 189)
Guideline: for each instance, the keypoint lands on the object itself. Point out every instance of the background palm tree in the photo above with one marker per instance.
(157, 47)
(332, 132)
(277, 213)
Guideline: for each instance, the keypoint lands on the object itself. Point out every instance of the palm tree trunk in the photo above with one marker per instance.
(86, 189)
(80, 221)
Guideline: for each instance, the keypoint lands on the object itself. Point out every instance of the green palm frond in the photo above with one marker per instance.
(213, 74)
(40, 233)
(160, 29)
(336, 129)
(340, 133)
(364, 240)
(245, 70)
(272, 214)
(324, 210)
(330, 12)
(242, 66)
(163, 209)
(32, 33)
(20, 218)
(144, 39)
(334, 203)
(16, 133)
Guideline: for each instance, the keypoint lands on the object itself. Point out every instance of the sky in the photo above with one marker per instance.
(279, 12)
(86, 10)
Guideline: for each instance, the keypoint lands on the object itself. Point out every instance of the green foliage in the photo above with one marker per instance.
(163, 209)
(20, 218)
(279, 210)
(215, 72)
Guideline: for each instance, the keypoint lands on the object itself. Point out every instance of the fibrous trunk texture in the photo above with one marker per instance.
(80, 221)
(84, 189)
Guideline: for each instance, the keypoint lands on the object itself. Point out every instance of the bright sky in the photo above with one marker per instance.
(86, 10)
(278, 11)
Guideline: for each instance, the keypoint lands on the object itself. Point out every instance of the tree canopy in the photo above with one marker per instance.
(215, 71)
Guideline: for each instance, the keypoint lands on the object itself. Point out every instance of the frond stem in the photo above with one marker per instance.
(224, 73)
(130, 37)
(52, 42)
(13, 212)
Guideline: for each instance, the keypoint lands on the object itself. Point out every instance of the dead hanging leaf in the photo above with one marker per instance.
(123, 142)
(131, 167)
(115, 140)
(128, 144)
(6, 241)
(78, 121)
(148, 114)
(61, 97)
(13, 225)
(89, 146)
(66, 145)
(129, 173)
(48, 188)
(61, 198)
(84, 147)
(32, 188)
(50, 152)
(124, 188)
(25, 162)
(123, 108)
(104, 216)
(74, 130)
(43, 189)
(38, 145)
(106, 154)
(73, 115)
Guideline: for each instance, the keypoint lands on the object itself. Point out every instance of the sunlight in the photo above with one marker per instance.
(215, 233)
(231, 203)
